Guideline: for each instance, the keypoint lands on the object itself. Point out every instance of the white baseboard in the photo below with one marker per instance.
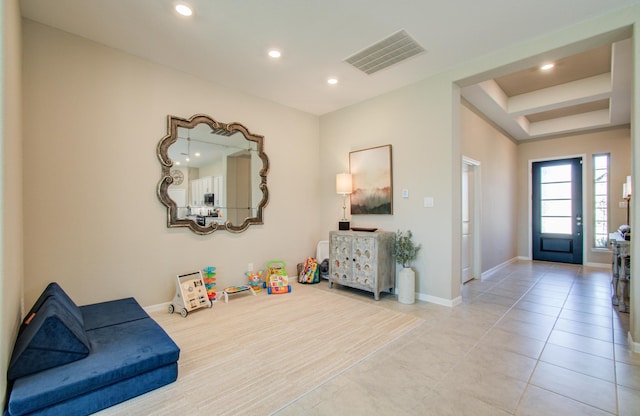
(633, 346)
(595, 265)
(439, 301)
(155, 308)
(498, 267)
(599, 265)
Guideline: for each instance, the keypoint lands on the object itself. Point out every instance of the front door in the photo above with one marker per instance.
(557, 210)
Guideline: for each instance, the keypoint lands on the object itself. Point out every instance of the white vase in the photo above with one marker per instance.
(407, 286)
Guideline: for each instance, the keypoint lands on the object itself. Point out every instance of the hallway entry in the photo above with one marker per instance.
(557, 210)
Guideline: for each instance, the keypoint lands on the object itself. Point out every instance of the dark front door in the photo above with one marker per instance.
(557, 210)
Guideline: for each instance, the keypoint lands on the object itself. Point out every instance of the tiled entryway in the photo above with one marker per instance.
(531, 339)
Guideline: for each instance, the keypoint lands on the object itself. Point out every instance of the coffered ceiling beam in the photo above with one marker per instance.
(578, 122)
(565, 95)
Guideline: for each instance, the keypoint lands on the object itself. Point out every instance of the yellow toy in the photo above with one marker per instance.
(277, 281)
(255, 280)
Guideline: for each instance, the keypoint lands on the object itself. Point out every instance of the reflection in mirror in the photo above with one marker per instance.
(214, 175)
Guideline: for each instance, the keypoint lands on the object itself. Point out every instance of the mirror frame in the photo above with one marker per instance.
(162, 151)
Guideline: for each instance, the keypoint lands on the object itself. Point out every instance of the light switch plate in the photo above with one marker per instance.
(428, 202)
(405, 193)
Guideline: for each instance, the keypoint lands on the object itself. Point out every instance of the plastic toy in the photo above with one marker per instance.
(310, 272)
(209, 277)
(255, 280)
(191, 294)
(232, 290)
(277, 281)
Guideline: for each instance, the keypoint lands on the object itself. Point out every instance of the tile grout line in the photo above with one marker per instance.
(485, 334)
(547, 342)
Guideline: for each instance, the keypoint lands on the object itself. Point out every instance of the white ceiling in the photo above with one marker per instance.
(226, 41)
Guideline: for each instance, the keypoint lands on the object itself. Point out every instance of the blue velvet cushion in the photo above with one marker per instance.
(51, 336)
(118, 352)
(96, 400)
(54, 289)
(101, 315)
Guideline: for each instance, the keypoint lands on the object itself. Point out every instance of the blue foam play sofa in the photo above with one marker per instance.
(71, 360)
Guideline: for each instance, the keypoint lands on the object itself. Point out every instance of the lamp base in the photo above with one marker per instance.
(343, 225)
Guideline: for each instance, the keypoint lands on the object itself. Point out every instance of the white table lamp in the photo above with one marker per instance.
(344, 187)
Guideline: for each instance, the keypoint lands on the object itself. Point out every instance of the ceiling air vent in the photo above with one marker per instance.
(392, 50)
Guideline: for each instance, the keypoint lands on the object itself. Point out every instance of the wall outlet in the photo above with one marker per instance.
(250, 267)
(428, 202)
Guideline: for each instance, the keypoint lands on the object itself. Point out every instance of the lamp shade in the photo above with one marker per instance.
(343, 183)
(629, 187)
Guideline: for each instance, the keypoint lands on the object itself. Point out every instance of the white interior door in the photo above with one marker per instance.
(467, 225)
(470, 261)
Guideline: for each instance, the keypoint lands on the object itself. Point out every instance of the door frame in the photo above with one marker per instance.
(585, 211)
(477, 199)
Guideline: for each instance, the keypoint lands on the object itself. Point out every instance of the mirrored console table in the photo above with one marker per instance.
(620, 265)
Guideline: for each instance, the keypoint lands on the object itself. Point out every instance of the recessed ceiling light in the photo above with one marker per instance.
(197, 154)
(332, 81)
(274, 53)
(184, 10)
(548, 66)
(177, 163)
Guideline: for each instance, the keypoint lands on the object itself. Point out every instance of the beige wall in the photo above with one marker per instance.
(11, 255)
(498, 157)
(616, 142)
(413, 121)
(95, 224)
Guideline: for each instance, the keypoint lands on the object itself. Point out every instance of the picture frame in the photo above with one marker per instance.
(371, 170)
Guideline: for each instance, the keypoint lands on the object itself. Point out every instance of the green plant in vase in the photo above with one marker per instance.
(405, 250)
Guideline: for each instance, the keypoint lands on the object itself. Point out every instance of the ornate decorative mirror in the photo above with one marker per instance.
(214, 175)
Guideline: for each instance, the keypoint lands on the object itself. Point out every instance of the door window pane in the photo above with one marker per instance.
(555, 191)
(558, 173)
(556, 225)
(601, 188)
(555, 199)
(556, 208)
(600, 200)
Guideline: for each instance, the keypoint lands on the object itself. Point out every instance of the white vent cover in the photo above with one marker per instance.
(392, 50)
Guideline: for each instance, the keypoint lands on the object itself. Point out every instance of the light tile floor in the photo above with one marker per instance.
(531, 339)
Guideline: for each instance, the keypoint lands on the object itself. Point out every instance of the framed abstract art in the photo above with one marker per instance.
(372, 181)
